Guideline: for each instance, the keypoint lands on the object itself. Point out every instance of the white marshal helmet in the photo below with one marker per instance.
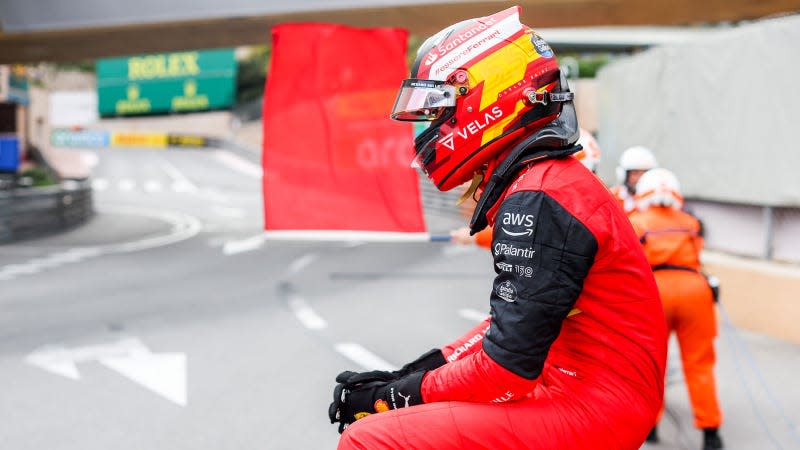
(590, 155)
(658, 187)
(635, 158)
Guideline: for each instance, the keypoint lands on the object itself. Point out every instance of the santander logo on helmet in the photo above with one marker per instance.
(492, 66)
(432, 57)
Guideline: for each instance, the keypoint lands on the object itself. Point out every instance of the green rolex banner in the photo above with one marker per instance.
(166, 82)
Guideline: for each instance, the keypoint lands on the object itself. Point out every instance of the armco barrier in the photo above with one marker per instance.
(32, 212)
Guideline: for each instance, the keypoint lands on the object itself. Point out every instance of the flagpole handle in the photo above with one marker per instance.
(440, 238)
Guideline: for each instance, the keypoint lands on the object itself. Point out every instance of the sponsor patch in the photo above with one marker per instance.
(525, 220)
(505, 267)
(524, 271)
(431, 58)
(447, 141)
(466, 345)
(541, 46)
(571, 373)
(479, 124)
(361, 415)
(507, 291)
(504, 398)
(518, 219)
(526, 232)
(381, 405)
(511, 250)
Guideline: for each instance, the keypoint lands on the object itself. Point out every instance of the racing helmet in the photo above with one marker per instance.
(590, 154)
(483, 84)
(635, 158)
(658, 187)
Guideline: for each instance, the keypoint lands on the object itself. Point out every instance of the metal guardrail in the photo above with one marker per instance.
(32, 212)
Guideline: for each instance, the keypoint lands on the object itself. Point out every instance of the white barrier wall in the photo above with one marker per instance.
(73, 108)
(722, 112)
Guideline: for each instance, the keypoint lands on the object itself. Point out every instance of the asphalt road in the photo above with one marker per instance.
(165, 323)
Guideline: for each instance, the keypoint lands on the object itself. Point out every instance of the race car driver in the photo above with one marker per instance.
(589, 155)
(573, 353)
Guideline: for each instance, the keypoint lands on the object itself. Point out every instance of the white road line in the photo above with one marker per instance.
(152, 186)
(472, 314)
(239, 164)
(363, 357)
(183, 187)
(36, 265)
(56, 259)
(126, 185)
(305, 314)
(244, 245)
(215, 195)
(19, 269)
(300, 263)
(100, 184)
(311, 320)
(183, 227)
(180, 182)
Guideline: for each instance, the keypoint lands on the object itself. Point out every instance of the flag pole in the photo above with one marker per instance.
(351, 235)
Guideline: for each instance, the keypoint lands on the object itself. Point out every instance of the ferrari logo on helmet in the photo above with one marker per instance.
(447, 141)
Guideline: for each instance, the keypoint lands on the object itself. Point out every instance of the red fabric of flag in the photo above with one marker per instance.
(333, 160)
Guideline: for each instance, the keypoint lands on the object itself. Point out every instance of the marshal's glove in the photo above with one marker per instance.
(358, 395)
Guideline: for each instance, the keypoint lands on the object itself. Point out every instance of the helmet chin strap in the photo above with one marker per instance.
(557, 139)
(477, 179)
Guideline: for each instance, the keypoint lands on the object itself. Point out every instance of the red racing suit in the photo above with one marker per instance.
(535, 374)
(624, 198)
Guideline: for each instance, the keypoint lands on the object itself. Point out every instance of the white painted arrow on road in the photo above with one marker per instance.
(162, 373)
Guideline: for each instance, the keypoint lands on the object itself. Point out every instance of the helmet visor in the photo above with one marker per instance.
(421, 100)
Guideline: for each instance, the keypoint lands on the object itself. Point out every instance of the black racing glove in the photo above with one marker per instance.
(358, 395)
(432, 359)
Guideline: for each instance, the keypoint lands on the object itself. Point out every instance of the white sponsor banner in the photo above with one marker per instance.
(73, 108)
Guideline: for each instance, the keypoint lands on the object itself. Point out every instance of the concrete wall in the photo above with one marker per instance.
(759, 296)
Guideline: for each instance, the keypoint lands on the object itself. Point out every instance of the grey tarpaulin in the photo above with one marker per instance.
(721, 111)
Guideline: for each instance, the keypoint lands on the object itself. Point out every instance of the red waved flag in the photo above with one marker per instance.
(334, 162)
